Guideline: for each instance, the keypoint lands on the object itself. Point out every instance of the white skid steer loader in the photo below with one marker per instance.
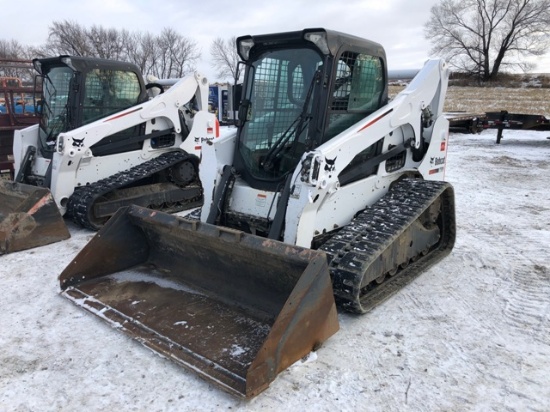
(102, 144)
(326, 192)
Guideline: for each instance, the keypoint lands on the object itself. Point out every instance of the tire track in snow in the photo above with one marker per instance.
(527, 306)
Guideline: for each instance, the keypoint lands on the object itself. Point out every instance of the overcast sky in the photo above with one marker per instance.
(396, 24)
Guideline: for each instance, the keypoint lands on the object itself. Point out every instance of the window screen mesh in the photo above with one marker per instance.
(273, 112)
(273, 138)
(107, 92)
(357, 90)
(56, 95)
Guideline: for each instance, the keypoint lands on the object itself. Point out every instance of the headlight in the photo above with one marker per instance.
(244, 45)
(318, 38)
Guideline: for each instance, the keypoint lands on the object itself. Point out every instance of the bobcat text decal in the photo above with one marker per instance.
(436, 161)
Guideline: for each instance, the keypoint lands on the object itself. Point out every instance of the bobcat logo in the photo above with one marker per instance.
(329, 164)
(78, 142)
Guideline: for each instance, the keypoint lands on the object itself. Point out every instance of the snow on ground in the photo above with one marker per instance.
(472, 333)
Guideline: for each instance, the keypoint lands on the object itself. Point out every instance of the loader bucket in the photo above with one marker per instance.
(236, 308)
(29, 218)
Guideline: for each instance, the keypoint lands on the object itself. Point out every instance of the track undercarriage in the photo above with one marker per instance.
(168, 183)
(389, 244)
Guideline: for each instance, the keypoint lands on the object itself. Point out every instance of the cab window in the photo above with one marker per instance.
(356, 92)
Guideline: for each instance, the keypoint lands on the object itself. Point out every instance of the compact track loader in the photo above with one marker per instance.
(325, 193)
(104, 143)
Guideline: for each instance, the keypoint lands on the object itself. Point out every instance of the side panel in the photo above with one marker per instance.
(21, 140)
(337, 209)
(434, 163)
(214, 157)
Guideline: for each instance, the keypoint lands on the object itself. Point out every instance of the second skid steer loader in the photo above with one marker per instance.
(103, 144)
(326, 192)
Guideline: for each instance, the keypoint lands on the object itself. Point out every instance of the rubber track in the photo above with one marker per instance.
(352, 250)
(84, 197)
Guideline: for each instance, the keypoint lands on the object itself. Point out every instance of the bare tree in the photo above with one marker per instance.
(483, 37)
(167, 55)
(143, 52)
(225, 58)
(71, 38)
(12, 49)
(13, 57)
(68, 37)
(176, 55)
(107, 43)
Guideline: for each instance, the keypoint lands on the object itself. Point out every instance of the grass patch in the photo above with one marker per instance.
(524, 100)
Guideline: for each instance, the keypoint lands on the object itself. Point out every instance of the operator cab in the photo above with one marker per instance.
(80, 90)
(300, 90)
